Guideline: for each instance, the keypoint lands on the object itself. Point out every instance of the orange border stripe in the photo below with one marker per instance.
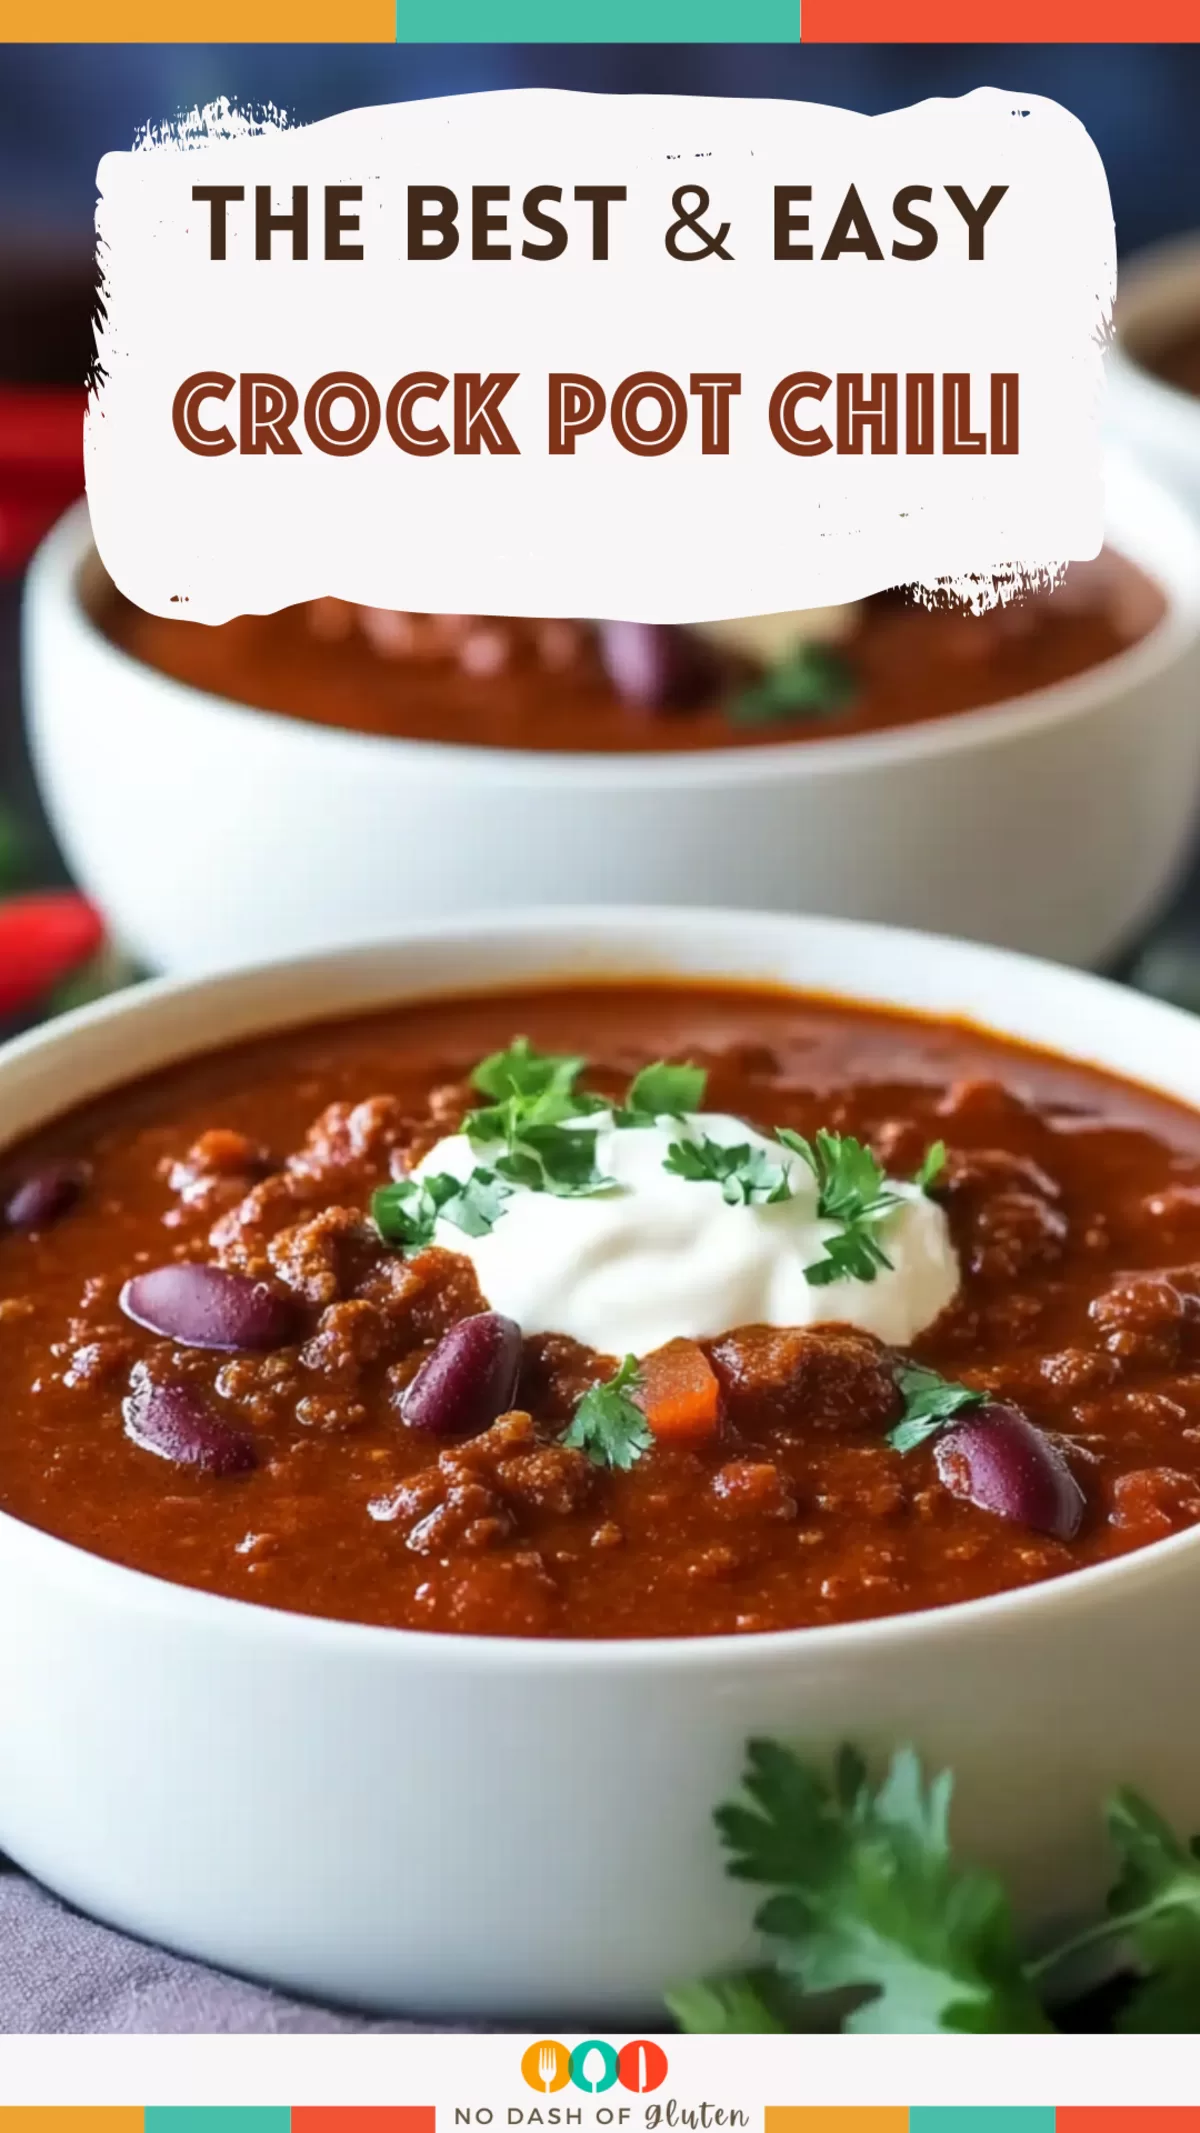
(835, 2118)
(225, 22)
(71, 2118)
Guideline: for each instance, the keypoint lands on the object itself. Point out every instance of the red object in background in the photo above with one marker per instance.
(43, 938)
(41, 466)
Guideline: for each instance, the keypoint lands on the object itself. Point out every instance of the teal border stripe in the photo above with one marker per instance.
(981, 2118)
(599, 22)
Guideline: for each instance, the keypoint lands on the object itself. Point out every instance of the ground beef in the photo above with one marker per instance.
(323, 1258)
(1145, 1318)
(557, 1371)
(422, 1297)
(754, 1488)
(348, 1337)
(357, 1136)
(831, 1378)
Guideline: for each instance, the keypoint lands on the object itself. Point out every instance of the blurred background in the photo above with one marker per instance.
(62, 107)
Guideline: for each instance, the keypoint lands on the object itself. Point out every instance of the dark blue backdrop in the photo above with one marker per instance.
(61, 107)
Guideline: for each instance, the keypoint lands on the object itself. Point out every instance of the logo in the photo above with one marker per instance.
(595, 2066)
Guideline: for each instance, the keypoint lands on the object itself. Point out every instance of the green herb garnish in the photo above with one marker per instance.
(870, 1905)
(662, 1091)
(932, 1165)
(930, 1402)
(607, 1424)
(851, 1191)
(745, 1175)
(534, 1097)
(814, 681)
(406, 1213)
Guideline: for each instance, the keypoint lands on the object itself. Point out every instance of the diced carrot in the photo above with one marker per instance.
(680, 1396)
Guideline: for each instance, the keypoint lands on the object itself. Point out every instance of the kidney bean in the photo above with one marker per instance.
(203, 1306)
(470, 1378)
(43, 1195)
(1000, 1462)
(657, 665)
(175, 1423)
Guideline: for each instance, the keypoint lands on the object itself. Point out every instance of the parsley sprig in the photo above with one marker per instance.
(406, 1212)
(663, 1090)
(745, 1175)
(851, 1191)
(534, 1102)
(869, 1904)
(814, 681)
(608, 1424)
(930, 1402)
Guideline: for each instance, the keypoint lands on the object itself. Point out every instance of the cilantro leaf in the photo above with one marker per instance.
(850, 1177)
(745, 1175)
(406, 1212)
(814, 681)
(868, 1896)
(933, 1162)
(478, 1204)
(726, 2006)
(852, 1190)
(533, 1077)
(853, 1255)
(608, 1424)
(531, 1118)
(662, 1091)
(1155, 1906)
(555, 1159)
(930, 1402)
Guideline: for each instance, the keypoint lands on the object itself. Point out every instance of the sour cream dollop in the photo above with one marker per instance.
(658, 1256)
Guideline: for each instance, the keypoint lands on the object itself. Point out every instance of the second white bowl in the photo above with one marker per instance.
(210, 833)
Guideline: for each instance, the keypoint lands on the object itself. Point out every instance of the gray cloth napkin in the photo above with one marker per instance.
(63, 1973)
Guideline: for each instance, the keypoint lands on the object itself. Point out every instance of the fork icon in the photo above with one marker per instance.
(547, 2066)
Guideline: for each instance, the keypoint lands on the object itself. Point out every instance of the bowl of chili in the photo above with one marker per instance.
(382, 1637)
(1049, 806)
(1154, 366)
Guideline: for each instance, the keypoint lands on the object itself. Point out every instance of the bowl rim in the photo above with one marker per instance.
(1146, 279)
(193, 1607)
(1138, 496)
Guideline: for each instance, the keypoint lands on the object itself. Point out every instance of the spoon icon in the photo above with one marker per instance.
(585, 2077)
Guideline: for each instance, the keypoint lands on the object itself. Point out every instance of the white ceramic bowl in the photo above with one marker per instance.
(506, 1828)
(1159, 292)
(212, 834)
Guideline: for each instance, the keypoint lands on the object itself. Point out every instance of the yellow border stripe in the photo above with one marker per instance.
(69, 2118)
(835, 2118)
(225, 22)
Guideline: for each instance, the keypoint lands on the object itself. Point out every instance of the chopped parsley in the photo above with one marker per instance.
(932, 1165)
(608, 1424)
(868, 1902)
(406, 1213)
(745, 1175)
(851, 1191)
(662, 1091)
(814, 681)
(534, 1103)
(930, 1402)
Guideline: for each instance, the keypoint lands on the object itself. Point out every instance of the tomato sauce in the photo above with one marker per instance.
(490, 682)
